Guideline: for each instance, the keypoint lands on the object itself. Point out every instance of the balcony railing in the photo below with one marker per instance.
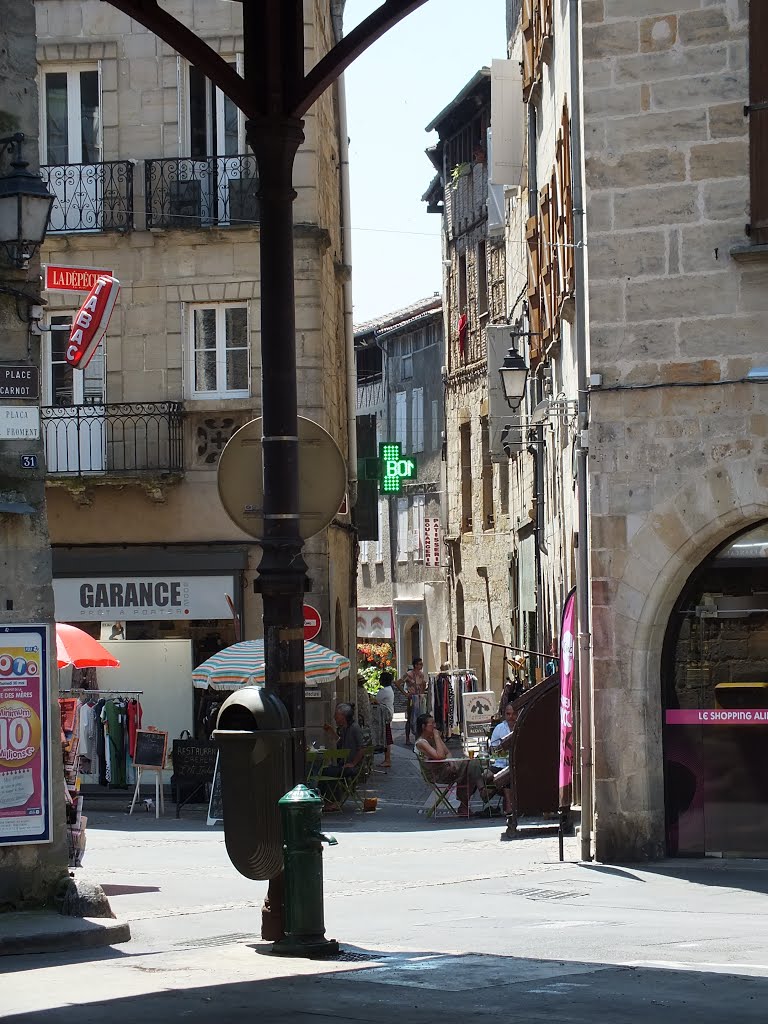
(130, 440)
(370, 392)
(217, 191)
(90, 197)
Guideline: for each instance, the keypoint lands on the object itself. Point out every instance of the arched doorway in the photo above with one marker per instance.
(414, 641)
(715, 699)
(476, 660)
(497, 673)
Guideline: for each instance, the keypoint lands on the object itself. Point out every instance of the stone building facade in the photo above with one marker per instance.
(482, 544)
(154, 181)
(675, 304)
(401, 580)
(29, 874)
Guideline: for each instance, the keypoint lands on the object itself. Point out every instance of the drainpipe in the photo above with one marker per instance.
(582, 448)
(349, 333)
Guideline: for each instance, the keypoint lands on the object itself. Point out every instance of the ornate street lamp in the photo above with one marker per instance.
(25, 206)
(514, 374)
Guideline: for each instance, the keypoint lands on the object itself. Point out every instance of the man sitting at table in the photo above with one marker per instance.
(466, 773)
(349, 738)
(500, 741)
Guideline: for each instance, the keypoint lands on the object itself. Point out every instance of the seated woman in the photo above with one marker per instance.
(467, 774)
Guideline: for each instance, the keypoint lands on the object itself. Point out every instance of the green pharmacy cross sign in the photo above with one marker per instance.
(393, 468)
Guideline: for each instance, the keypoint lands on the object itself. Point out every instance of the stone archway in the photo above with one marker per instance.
(497, 670)
(476, 659)
(631, 605)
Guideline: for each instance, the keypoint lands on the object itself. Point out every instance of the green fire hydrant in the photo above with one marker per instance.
(300, 811)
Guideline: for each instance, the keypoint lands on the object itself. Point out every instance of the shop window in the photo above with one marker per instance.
(219, 352)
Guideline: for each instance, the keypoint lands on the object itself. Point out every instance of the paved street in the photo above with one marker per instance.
(438, 920)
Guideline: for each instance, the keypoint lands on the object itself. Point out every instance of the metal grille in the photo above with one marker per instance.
(548, 894)
(189, 193)
(90, 197)
(114, 438)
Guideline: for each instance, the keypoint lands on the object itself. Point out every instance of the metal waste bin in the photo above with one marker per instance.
(254, 736)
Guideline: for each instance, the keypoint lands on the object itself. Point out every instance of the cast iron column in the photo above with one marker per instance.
(282, 580)
(282, 570)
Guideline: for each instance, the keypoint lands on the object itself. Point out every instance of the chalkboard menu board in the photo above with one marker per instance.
(150, 749)
(216, 807)
(194, 759)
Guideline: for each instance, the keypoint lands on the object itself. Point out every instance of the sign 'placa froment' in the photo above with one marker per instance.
(19, 422)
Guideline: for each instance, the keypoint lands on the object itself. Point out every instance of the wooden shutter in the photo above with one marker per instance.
(758, 121)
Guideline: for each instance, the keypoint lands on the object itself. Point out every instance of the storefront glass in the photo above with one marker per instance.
(715, 682)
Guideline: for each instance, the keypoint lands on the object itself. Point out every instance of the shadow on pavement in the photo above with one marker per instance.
(429, 987)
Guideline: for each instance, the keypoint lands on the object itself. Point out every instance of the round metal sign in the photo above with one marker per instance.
(312, 622)
(322, 478)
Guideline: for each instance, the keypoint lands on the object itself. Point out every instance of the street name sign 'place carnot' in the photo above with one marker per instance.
(19, 381)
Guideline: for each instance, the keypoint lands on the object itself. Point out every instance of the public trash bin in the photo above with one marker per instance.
(254, 734)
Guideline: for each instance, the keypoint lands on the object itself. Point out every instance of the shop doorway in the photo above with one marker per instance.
(715, 699)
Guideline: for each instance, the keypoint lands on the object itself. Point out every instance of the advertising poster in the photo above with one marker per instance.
(478, 711)
(25, 813)
(567, 630)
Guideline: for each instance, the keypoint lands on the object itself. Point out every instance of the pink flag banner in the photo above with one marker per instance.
(567, 632)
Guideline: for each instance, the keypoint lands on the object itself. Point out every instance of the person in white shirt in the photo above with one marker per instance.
(500, 740)
(385, 696)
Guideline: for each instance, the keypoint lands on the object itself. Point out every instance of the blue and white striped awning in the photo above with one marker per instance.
(243, 664)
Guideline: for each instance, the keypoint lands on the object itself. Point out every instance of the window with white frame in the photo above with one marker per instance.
(417, 520)
(402, 529)
(401, 421)
(417, 420)
(219, 363)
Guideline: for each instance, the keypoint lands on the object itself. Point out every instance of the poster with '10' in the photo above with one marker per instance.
(25, 813)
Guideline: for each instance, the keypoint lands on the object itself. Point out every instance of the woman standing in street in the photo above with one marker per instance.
(385, 697)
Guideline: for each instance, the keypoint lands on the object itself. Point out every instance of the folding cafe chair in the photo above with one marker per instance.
(440, 790)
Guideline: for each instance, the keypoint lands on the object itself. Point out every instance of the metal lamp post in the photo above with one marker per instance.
(514, 376)
(25, 206)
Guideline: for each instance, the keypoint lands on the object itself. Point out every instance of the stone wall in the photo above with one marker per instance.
(30, 874)
(674, 467)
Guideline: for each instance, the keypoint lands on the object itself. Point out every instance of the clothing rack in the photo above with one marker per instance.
(81, 691)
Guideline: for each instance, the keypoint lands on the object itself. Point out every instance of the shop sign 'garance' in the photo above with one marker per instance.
(142, 597)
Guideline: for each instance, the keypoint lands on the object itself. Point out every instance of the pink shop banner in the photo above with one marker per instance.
(567, 631)
(717, 716)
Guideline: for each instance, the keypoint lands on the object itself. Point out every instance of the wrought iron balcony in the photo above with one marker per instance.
(125, 440)
(90, 197)
(189, 192)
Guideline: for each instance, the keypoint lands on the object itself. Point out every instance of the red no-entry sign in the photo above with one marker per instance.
(312, 622)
